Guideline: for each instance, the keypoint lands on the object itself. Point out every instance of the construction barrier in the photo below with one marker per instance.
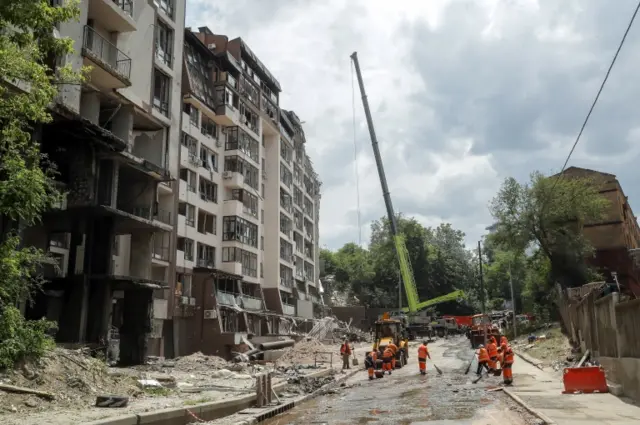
(584, 380)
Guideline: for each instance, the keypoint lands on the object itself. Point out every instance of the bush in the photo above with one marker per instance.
(22, 339)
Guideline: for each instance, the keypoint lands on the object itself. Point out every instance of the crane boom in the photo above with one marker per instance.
(406, 270)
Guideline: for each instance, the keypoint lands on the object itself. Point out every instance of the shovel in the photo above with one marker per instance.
(466, 372)
(437, 369)
(475, 381)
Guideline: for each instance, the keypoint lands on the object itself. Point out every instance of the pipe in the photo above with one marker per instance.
(276, 344)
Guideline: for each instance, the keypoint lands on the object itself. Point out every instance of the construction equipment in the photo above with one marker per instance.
(406, 271)
(388, 330)
(480, 326)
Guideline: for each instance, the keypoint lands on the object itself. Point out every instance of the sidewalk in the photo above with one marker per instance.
(541, 392)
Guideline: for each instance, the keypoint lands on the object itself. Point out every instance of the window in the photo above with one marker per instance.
(285, 200)
(115, 248)
(298, 240)
(186, 245)
(297, 197)
(189, 212)
(308, 207)
(183, 284)
(249, 118)
(166, 6)
(189, 142)
(238, 229)
(286, 276)
(248, 260)
(200, 73)
(190, 177)
(286, 250)
(262, 243)
(262, 191)
(161, 91)
(164, 43)
(208, 128)
(237, 139)
(297, 218)
(249, 201)
(206, 256)
(194, 116)
(285, 224)
(285, 151)
(297, 174)
(262, 216)
(208, 191)
(236, 164)
(308, 271)
(285, 175)
(207, 223)
(261, 270)
(208, 159)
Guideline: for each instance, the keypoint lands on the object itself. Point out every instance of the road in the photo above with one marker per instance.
(407, 398)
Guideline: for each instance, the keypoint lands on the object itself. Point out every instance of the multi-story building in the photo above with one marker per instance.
(229, 247)
(616, 237)
(115, 140)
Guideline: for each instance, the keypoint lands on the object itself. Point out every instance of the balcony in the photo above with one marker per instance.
(160, 253)
(231, 267)
(226, 298)
(232, 207)
(205, 263)
(288, 309)
(251, 303)
(226, 104)
(113, 15)
(233, 179)
(110, 67)
(163, 217)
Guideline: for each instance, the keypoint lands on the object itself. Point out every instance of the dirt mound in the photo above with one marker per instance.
(303, 353)
(70, 376)
(199, 362)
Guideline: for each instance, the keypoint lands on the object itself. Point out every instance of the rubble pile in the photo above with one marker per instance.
(64, 378)
(305, 384)
(304, 353)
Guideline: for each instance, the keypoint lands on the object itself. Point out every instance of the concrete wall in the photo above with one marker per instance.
(624, 371)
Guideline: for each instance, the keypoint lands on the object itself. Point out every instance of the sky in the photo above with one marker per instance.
(464, 93)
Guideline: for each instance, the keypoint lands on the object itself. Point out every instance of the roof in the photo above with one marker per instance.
(588, 170)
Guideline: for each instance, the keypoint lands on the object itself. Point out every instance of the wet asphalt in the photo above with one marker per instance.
(406, 397)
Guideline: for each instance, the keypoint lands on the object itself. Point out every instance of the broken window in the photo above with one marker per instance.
(189, 212)
(208, 190)
(161, 92)
(186, 246)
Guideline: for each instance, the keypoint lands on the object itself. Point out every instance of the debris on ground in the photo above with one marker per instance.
(304, 353)
(550, 346)
(62, 378)
(305, 385)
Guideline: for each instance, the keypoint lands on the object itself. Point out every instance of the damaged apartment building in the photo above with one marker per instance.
(242, 268)
(115, 141)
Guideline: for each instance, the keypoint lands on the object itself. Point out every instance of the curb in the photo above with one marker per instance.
(532, 361)
(232, 406)
(530, 409)
(277, 410)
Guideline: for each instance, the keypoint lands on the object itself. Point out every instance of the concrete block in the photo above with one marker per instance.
(615, 389)
(118, 420)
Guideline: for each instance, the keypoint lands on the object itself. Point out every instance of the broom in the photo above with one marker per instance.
(437, 369)
(466, 372)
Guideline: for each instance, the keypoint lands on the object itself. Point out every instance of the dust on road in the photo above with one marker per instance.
(406, 397)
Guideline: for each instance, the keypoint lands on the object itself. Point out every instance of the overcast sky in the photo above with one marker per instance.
(463, 92)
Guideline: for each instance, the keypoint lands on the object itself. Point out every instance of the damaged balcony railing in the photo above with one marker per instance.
(161, 253)
(205, 263)
(106, 53)
(251, 303)
(226, 298)
(142, 212)
(163, 216)
(288, 309)
(125, 5)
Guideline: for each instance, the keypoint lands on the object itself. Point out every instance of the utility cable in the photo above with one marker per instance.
(355, 153)
(595, 100)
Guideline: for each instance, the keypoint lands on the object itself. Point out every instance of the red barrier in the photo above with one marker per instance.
(584, 380)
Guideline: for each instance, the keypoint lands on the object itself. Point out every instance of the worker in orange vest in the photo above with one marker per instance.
(345, 352)
(503, 340)
(394, 349)
(507, 364)
(370, 362)
(483, 359)
(492, 349)
(423, 353)
(387, 357)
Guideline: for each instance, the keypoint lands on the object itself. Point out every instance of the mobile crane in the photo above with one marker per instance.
(406, 270)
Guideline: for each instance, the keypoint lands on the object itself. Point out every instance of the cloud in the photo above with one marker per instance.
(463, 93)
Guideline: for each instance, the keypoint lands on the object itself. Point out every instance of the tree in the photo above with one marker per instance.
(27, 89)
(548, 214)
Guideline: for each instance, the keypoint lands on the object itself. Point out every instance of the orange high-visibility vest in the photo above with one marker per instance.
(492, 349)
(508, 355)
(388, 353)
(393, 348)
(423, 352)
(483, 356)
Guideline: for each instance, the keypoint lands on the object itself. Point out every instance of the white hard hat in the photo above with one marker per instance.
(480, 346)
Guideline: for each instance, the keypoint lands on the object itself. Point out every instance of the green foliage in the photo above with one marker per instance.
(22, 339)
(370, 277)
(548, 214)
(28, 87)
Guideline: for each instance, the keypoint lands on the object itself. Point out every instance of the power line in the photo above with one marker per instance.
(355, 153)
(595, 101)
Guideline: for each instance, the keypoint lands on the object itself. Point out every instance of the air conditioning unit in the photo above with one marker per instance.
(226, 175)
(192, 301)
(184, 300)
(210, 314)
(218, 144)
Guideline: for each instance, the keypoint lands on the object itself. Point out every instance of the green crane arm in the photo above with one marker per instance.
(406, 271)
(455, 295)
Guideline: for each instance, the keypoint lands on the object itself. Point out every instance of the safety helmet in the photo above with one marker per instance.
(481, 346)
